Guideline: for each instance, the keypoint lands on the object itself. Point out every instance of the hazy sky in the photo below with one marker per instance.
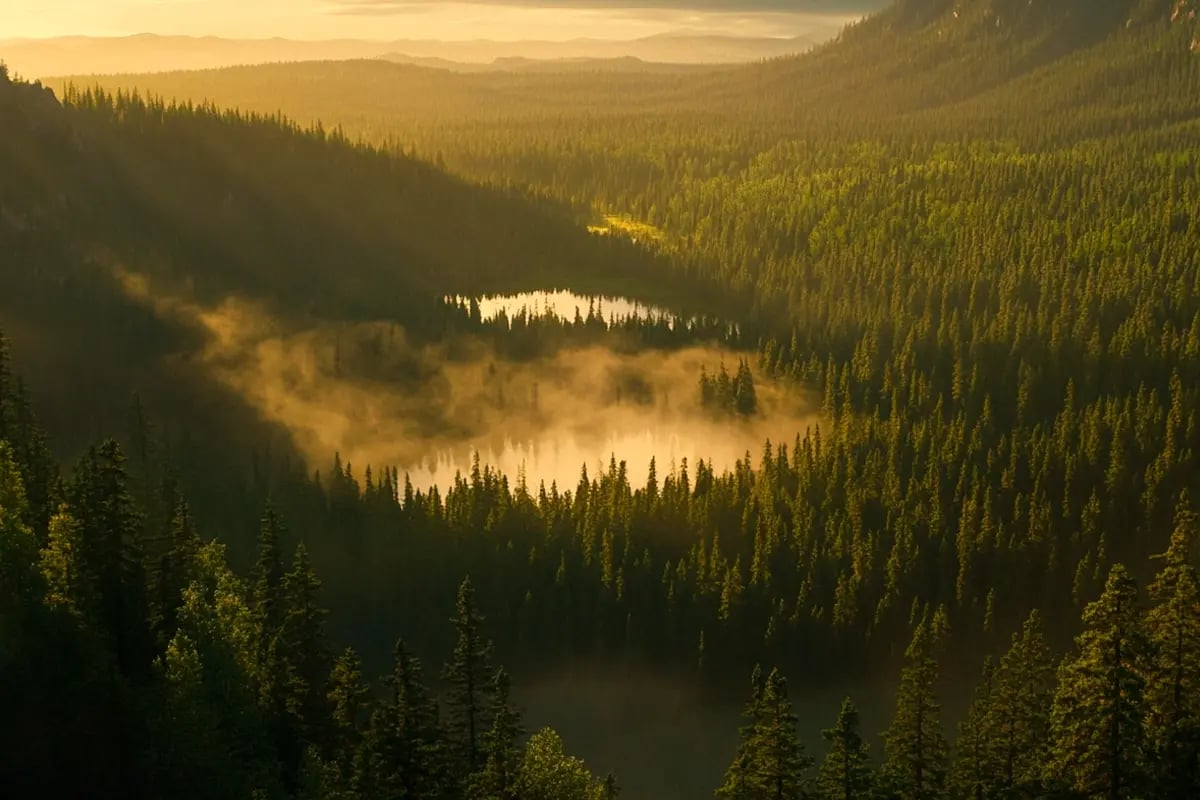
(397, 19)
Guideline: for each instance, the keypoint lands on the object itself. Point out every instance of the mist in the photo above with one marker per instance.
(363, 391)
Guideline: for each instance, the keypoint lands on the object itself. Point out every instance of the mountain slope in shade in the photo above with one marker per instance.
(208, 206)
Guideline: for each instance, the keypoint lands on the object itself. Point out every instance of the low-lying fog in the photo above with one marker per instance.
(426, 408)
(364, 392)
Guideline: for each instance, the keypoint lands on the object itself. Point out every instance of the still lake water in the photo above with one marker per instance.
(575, 419)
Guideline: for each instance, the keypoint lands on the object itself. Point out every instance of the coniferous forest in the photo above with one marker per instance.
(925, 300)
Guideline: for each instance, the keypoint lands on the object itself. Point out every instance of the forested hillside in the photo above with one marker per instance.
(969, 228)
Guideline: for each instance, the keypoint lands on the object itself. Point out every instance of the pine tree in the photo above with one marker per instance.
(6, 412)
(267, 591)
(306, 651)
(274, 668)
(1019, 723)
(1097, 734)
(215, 616)
(100, 501)
(39, 471)
(770, 761)
(1173, 681)
(548, 773)
(740, 781)
(915, 747)
(69, 584)
(498, 777)
(781, 760)
(975, 774)
(745, 396)
(348, 703)
(469, 674)
(21, 585)
(175, 571)
(846, 772)
(402, 755)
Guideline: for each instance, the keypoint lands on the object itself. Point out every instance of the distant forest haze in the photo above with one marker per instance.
(481, 423)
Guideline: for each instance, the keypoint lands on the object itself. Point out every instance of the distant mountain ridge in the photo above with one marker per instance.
(37, 58)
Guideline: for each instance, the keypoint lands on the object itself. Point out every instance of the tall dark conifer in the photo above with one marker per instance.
(100, 501)
(1173, 681)
(915, 748)
(1097, 724)
(497, 779)
(469, 675)
(846, 773)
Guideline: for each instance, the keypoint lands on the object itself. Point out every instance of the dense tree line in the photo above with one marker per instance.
(135, 663)
(1117, 718)
(995, 302)
(969, 227)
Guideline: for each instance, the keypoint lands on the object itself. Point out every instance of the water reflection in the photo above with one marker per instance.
(569, 307)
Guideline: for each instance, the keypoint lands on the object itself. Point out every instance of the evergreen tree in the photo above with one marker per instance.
(915, 746)
(217, 620)
(21, 586)
(548, 773)
(1173, 681)
(781, 760)
(498, 777)
(113, 557)
(469, 674)
(306, 651)
(402, 757)
(69, 583)
(745, 396)
(1021, 697)
(846, 772)
(175, 572)
(1098, 743)
(267, 598)
(741, 779)
(348, 703)
(975, 773)
(770, 761)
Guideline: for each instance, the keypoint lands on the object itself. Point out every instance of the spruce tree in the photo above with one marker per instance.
(740, 781)
(21, 585)
(915, 746)
(306, 651)
(175, 572)
(745, 396)
(975, 774)
(6, 412)
(1019, 723)
(348, 704)
(402, 754)
(267, 590)
(781, 760)
(548, 773)
(70, 585)
(469, 675)
(846, 772)
(100, 501)
(502, 755)
(1098, 742)
(1173, 681)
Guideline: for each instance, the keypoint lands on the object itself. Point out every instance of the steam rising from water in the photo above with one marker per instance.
(364, 391)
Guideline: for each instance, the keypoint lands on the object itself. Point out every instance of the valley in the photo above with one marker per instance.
(812, 425)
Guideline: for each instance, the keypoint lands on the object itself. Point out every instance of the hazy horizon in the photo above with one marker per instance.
(373, 20)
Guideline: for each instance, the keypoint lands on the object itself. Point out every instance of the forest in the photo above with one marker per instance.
(928, 328)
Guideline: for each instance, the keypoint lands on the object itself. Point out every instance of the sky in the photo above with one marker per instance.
(418, 19)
